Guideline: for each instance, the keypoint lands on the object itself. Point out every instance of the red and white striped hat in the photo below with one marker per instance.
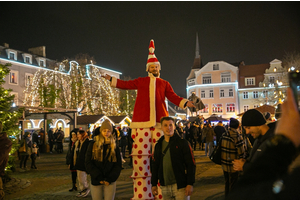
(151, 57)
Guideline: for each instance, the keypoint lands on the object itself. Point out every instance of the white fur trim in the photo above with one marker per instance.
(145, 125)
(182, 102)
(152, 89)
(113, 82)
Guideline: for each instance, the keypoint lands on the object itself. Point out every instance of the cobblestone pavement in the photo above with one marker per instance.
(52, 180)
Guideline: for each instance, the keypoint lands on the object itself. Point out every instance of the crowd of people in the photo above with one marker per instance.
(255, 154)
(102, 154)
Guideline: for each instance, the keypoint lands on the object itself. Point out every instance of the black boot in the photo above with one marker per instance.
(74, 188)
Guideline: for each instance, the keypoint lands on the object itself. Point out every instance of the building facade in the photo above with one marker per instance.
(227, 90)
(24, 67)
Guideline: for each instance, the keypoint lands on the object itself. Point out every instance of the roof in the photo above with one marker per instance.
(88, 119)
(173, 109)
(117, 119)
(264, 108)
(253, 70)
(256, 71)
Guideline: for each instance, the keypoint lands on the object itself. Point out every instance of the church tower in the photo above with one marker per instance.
(196, 66)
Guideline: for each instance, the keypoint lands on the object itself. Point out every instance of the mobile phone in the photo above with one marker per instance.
(294, 80)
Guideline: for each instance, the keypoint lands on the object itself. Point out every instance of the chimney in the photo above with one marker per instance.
(40, 51)
(6, 45)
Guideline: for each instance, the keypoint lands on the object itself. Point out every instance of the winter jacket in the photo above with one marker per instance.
(219, 130)
(69, 156)
(102, 171)
(182, 159)
(80, 164)
(232, 147)
(27, 146)
(269, 177)
(260, 145)
(209, 133)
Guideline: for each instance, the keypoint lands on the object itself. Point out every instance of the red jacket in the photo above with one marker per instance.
(150, 103)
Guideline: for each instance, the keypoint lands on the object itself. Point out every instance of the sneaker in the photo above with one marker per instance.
(79, 193)
(85, 193)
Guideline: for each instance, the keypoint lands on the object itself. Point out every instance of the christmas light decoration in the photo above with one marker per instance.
(77, 89)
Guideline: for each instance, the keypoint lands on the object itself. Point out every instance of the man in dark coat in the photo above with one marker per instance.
(173, 164)
(5, 147)
(219, 130)
(194, 135)
(255, 124)
(268, 177)
(51, 139)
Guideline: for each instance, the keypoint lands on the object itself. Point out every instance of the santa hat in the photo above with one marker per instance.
(151, 57)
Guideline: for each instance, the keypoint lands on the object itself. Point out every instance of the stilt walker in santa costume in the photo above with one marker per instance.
(146, 129)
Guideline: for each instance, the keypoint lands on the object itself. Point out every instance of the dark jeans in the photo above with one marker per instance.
(51, 145)
(23, 160)
(123, 149)
(230, 180)
(74, 176)
(33, 159)
(130, 151)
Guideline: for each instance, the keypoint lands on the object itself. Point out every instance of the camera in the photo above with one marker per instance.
(294, 80)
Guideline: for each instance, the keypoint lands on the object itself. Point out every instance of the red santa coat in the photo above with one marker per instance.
(150, 101)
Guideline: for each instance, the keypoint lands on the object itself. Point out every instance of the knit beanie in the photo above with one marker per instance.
(106, 125)
(253, 117)
(234, 123)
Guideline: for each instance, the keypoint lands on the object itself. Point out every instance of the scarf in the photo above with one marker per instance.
(78, 142)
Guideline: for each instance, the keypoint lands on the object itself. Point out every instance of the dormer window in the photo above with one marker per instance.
(11, 54)
(41, 62)
(215, 66)
(27, 58)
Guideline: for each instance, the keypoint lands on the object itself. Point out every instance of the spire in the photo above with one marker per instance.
(197, 61)
(197, 54)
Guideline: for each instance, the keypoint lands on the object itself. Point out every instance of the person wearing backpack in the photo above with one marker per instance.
(232, 147)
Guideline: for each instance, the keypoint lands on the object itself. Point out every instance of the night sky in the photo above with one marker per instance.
(117, 34)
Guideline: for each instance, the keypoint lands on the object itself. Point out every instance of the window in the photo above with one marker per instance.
(272, 79)
(206, 78)
(255, 106)
(13, 77)
(245, 95)
(249, 81)
(221, 93)
(230, 107)
(205, 110)
(12, 55)
(202, 94)
(29, 125)
(29, 79)
(27, 59)
(217, 108)
(15, 101)
(231, 92)
(215, 66)
(265, 93)
(246, 108)
(255, 94)
(211, 94)
(42, 63)
(225, 77)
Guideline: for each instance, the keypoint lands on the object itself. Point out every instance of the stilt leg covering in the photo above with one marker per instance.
(144, 141)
